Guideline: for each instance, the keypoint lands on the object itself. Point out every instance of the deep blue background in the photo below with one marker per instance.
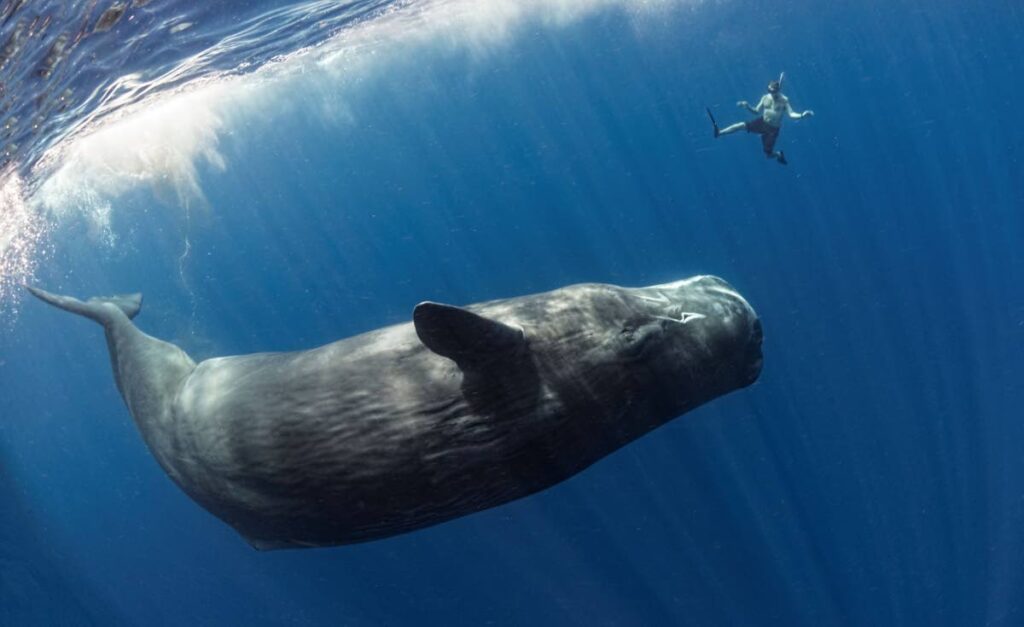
(873, 476)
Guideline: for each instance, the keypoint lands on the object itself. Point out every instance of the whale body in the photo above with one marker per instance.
(460, 410)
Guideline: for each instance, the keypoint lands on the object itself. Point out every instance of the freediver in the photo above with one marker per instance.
(772, 108)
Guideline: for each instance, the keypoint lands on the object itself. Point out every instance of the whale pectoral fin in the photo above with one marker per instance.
(463, 336)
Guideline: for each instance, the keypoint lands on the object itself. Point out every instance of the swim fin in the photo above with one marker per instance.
(782, 158)
(713, 123)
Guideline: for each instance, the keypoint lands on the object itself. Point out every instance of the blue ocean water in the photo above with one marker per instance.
(333, 165)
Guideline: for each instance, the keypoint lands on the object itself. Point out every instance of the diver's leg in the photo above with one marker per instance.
(732, 128)
(768, 143)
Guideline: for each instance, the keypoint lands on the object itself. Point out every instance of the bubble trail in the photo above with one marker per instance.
(24, 241)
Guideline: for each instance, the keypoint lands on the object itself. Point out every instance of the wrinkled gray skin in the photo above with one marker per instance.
(414, 424)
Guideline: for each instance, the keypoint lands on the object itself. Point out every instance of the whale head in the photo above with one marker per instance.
(703, 324)
(653, 353)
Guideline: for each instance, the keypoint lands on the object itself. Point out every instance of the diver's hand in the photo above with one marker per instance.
(808, 114)
(743, 104)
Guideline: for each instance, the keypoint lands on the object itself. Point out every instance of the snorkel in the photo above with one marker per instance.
(775, 87)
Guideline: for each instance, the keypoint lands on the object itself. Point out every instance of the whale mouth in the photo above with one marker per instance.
(755, 356)
(753, 371)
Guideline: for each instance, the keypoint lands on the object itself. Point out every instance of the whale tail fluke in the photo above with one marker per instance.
(94, 308)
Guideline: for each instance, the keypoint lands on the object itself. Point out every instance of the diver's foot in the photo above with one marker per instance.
(782, 158)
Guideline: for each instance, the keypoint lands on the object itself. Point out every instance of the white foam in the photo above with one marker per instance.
(162, 145)
(158, 147)
(479, 27)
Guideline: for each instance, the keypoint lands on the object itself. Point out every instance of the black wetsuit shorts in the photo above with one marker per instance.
(767, 132)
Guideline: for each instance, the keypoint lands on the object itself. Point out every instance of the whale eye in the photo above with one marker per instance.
(636, 339)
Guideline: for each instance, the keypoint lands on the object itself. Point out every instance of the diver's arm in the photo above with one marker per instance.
(793, 115)
(754, 110)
